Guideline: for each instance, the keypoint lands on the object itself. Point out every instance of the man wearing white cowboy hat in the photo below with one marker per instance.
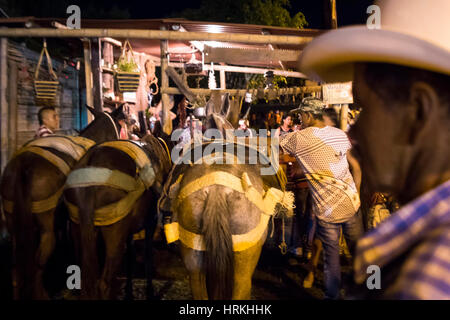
(401, 76)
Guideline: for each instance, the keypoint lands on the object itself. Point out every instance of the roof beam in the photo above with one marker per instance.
(154, 34)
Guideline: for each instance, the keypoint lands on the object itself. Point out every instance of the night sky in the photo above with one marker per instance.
(349, 11)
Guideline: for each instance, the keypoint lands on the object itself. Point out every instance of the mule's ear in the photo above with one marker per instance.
(225, 104)
(233, 112)
(209, 107)
(92, 110)
(118, 111)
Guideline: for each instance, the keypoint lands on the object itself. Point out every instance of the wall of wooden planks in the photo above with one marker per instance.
(17, 97)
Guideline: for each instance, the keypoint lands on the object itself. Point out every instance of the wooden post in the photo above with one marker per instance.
(344, 116)
(108, 58)
(333, 14)
(3, 102)
(223, 83)
(97, 78)
(12, 103)
(165, 119)
(88, 77)
(329, 14)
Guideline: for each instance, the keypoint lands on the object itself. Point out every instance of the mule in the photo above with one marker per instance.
(31, 187)
(221, 213)
(112, 194)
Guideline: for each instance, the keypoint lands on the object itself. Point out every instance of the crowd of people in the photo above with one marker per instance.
(324, 210)
(399, 144)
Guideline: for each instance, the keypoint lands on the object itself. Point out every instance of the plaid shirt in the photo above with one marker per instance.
(43, 131)
(421, 232)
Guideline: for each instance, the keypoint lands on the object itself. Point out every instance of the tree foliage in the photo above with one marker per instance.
(261, 12)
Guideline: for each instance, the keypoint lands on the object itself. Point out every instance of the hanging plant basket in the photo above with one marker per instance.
(45, 89)
(128, 81)
(128, 74)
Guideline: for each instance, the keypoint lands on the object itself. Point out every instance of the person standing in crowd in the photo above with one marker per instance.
(323, 154)
(48, 122)
(271, 120)
(285, 127)
(330, 117)
(244, 130)
(181, 104)
(401, 80)
(278, 118)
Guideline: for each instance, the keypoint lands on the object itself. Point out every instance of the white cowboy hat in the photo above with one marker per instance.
(414, 33)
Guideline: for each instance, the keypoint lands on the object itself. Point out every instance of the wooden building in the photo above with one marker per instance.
(169, 43)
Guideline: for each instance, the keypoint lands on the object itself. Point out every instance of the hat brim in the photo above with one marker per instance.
(331, 56)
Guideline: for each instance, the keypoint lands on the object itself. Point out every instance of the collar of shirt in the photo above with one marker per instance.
(43, 130)
(403, 229)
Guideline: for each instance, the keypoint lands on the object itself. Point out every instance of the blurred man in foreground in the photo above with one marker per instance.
(401, 76)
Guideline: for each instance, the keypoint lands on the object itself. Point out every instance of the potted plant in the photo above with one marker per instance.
(127, 71)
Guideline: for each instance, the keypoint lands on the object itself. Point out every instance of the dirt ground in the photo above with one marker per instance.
(277, 276)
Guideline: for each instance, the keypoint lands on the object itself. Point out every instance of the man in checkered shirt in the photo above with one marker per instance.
(323, 153)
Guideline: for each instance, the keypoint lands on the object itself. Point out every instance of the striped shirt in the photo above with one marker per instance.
(43, 131)
(420, 231)
(322, 154)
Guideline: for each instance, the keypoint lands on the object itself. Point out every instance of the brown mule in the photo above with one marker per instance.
(220, 214)
(31, 186)
(112, 193)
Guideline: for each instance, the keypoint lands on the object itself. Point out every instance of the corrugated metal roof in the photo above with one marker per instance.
(152, 47)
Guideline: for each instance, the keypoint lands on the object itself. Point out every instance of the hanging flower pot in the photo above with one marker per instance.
(45, 89)
(127, 73)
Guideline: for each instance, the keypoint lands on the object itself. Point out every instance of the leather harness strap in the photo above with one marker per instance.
(133, 186)
(266, 202)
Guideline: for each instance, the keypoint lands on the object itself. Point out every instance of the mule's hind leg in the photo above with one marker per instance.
(193, 261)
(46, 247)
(150, 226)
(115, 237)
(130, 262)
(244, 265)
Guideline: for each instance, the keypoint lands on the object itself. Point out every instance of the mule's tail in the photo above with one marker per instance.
(219, 258)
(89, 258)
(24, 233)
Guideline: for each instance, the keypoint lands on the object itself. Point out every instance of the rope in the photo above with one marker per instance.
(283, 245)
(166, 147)
(49, 63)
(131, 50)
(114, 124)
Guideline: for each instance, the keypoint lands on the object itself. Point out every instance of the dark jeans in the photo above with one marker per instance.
(299, 220)
(309, 225)
(329, 234)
